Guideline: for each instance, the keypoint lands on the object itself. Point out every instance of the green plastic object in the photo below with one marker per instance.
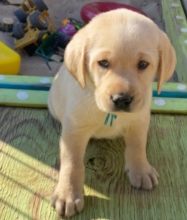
(46, 49)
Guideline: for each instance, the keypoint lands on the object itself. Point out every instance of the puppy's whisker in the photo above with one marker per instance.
(89, 95)
(91, 105)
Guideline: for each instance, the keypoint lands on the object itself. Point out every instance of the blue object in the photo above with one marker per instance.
(107, 118)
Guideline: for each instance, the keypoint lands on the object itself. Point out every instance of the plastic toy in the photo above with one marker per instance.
(15, 2)
(7, 24)
(92, 9)
(70, 26)
(1, 26)
(51, 46)
(38, 25)
(59, 39)
(9, 61)
(29, 6)
(78, 24)
(68, 29)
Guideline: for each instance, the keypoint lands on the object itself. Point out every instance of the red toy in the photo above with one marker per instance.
(92, 9)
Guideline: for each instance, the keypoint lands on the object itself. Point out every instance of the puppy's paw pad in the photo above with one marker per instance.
(67, 204)
(145, 178)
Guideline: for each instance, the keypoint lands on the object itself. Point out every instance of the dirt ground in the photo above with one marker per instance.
(59, 10)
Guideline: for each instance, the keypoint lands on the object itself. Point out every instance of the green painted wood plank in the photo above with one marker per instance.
(171, 90)
(37, 80)
(176, 26)
(42, 80)
(171, 86)
(25, 82)
(29, 163)
(26, 79)
(28, 175)
(169, 105)
(38, 99)
(24, 98)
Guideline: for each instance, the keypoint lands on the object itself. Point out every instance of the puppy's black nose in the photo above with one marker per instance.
(122, 101)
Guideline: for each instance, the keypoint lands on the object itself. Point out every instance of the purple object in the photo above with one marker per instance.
(69, 29)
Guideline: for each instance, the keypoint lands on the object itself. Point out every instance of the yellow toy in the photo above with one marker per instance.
(9, 61)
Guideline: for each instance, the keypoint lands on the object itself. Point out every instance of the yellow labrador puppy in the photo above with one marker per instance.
(109, 67)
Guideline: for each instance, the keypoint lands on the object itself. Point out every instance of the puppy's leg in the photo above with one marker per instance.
(68, 196)
(139, 171)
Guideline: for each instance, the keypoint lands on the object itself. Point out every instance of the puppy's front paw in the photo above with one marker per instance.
(67, 202)
(142, 176)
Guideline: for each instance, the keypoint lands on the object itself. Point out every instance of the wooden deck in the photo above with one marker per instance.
(29, 164)
(176, 27)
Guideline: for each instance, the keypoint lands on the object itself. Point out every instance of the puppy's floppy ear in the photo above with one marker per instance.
(75, 57)
(167, 61)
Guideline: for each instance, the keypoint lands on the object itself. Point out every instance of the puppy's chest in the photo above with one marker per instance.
(110, 126)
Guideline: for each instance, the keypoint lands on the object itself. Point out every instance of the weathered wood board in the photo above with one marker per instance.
(38, 99)
(176, 28)
(29, 163)
(32, 92)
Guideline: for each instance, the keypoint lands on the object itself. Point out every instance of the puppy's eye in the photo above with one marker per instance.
(104, 63)
(142, 65)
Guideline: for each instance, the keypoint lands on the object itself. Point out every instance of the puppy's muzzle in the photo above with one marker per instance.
(122, 102)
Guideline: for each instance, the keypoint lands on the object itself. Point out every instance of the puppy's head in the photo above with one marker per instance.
(118, 54)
